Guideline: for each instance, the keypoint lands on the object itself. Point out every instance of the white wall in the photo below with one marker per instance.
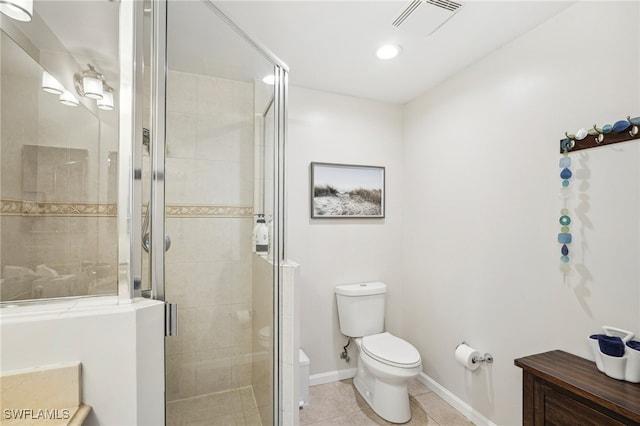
(481, 257)
(121, 348)
(469, 245)
(331, 128)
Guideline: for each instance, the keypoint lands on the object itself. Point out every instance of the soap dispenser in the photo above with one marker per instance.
(261, 236)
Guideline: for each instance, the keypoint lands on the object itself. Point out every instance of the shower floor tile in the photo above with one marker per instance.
(338, 403)
(232, 408)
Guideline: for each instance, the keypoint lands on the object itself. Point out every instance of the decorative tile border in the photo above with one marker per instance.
(201, 211)
(70, 209)
(64, 209)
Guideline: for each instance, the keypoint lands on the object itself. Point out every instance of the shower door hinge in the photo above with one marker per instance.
(170, 319)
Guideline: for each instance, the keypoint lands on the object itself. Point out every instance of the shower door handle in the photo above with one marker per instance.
(146, 242)
(170, 319)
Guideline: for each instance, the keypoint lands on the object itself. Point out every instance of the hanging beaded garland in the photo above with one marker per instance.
(564, 237)
(590, 137)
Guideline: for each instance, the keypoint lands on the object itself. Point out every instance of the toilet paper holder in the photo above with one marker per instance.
(487, 357)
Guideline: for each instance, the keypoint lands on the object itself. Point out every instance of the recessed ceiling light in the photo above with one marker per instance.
(388, 51)
(270, 80)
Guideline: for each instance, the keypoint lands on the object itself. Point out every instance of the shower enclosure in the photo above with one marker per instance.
(157, 197)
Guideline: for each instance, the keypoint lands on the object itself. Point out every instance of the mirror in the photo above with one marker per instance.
(58, 163)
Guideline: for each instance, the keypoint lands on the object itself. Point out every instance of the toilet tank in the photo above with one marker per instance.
(361, 308)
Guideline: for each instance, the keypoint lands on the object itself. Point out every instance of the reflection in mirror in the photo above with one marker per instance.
(58, 169)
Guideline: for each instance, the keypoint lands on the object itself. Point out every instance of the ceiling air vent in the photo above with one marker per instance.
(424, 17)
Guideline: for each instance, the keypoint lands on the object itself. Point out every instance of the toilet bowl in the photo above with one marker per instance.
(385, 363)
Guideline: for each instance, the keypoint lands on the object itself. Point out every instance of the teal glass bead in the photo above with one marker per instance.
(566, 174)
(564, 238)
(565, 220)
(565, 183)
(564, 250)
(565, 162)
(566, 144)
(607, 128)
(621, 126)
(564, 259)
(635, 121)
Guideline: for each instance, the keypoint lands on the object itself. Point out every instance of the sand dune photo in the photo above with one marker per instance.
(343, 191)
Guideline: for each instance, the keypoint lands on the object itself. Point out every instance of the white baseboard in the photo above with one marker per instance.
(464, 408)
(331, 376)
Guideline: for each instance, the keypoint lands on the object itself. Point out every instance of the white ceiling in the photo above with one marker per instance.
(330, 45)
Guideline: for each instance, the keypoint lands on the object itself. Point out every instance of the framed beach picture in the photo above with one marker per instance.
(346, 191)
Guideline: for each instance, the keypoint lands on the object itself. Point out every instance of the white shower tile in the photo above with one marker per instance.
(199, 240)
(181, 92)
(181, 135)
(214, 182)
(213, 328)
(181, 376)
(214, 95)
(241, 369)
(215, 137)
(181, 181)
(213, 371)
(214, 283)
(241, 238)
(241, 285)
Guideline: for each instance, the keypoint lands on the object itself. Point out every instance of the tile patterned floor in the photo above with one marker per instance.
(338, 403)
(233, 408)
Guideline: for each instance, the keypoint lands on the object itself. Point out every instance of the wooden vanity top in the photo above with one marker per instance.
(580, 377)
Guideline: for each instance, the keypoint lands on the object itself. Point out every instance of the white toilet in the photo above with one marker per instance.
(385, 363)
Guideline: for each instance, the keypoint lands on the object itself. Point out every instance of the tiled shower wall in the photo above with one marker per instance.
(209, 196)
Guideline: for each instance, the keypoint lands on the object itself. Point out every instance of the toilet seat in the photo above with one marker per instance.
(391, 350)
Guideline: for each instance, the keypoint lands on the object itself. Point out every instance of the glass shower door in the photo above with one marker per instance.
(211, 174)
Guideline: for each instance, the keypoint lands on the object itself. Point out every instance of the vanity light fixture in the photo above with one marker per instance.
(67, 98)
(388, 51)
(106, 103)
(20, 10)
(50, 84)
(89, 83)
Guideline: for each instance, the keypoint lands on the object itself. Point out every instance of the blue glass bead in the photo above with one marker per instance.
(564, 259)
(565, 183)
(564, 238)
(621, 126)
(566, 174)
(565, 162)
(564, 250)
(607, 128)
(565, 220)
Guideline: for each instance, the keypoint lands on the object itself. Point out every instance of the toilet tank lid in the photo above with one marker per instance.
(362, 289)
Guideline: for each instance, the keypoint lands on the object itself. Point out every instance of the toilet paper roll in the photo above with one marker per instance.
(465, 355)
